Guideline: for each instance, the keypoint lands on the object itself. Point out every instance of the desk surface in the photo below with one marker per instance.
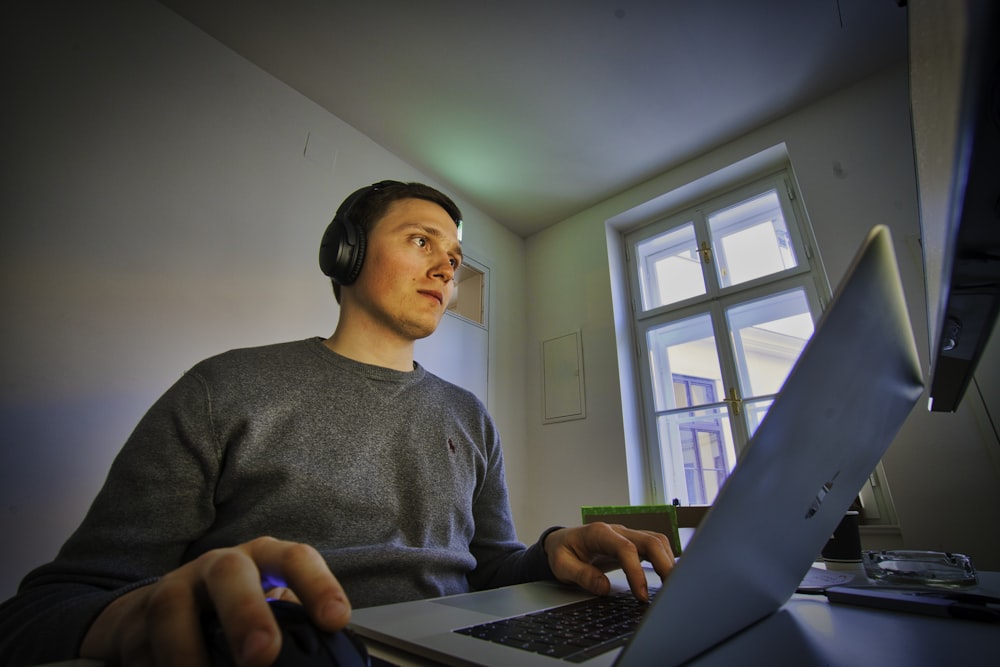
(808, 630)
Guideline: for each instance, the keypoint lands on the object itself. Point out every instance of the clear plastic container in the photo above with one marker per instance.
(935, 568)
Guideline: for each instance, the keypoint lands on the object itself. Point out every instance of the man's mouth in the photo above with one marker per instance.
(434, 295)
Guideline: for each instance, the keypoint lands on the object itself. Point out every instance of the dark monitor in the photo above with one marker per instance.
(955, 106)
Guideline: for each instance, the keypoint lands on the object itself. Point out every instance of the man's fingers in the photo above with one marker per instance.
(649, 546)
(627, 554)
(302, 569)
(232, 583)
(661, 555)
(172, 630)
(584, 575)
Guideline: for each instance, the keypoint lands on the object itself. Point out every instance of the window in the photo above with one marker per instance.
(725, 294)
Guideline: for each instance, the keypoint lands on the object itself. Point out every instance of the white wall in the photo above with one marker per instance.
(159, 206)
(852, 155)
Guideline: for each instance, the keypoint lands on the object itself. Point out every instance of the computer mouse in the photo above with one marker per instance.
(302, 643)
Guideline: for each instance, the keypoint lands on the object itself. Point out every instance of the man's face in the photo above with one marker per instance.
(406, 280)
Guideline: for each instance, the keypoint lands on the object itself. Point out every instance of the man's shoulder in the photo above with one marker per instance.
(258, 358)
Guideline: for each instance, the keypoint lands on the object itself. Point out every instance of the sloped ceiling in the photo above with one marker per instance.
(536, 110)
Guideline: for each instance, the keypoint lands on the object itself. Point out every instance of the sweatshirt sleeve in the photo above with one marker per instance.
(156, 499)
(501, 560)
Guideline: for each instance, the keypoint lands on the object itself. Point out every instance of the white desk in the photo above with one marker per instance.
(809, 631)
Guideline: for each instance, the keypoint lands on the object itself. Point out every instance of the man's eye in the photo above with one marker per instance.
(420, 241)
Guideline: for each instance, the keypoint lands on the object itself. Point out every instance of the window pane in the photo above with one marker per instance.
(768, 335)
(750, 240)
(698, 454)
(669, 267)
(755, 412)
(678, 352)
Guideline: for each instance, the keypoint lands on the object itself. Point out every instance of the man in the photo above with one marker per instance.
(373, 480)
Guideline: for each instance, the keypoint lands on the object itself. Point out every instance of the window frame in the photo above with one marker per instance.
(808, 274)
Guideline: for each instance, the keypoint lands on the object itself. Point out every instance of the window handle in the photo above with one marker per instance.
(734, 402)
(706, 252)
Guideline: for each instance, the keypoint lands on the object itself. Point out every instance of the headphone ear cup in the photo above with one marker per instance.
(357, 255)
(342, 251)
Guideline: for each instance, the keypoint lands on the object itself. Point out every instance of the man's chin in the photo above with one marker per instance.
(420, 330)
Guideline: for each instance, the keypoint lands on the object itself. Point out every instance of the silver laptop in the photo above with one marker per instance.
(844, 401)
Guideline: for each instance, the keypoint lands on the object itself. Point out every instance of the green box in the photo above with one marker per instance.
(658, 518)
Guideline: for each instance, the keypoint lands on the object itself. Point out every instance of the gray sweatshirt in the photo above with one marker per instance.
(395, 477)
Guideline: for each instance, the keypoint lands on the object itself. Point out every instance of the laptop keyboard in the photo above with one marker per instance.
(574, 632)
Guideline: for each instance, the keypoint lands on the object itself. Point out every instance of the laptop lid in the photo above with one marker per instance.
(854, 384)
(844, 401)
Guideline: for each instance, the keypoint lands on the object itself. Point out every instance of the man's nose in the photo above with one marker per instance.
(444, 268)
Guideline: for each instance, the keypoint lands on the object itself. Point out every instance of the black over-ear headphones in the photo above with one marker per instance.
(342, 251)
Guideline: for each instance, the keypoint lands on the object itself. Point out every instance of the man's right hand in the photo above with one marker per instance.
(160, 624)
